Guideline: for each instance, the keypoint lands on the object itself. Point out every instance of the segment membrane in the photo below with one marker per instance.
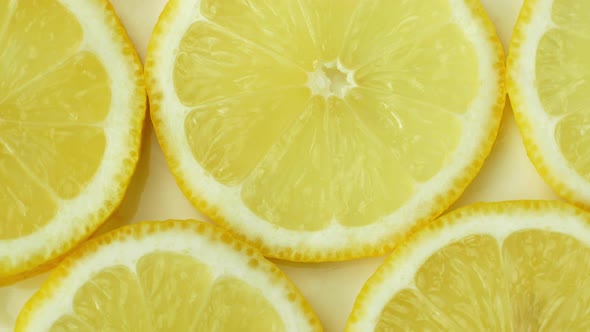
(409, 311)
(382, 27)
(76, 92)
(176, 288)
(573, 137)
(329, 21)
(548, 276)
(35, 41)
(112, 300)
(563, 72)
(465, 281)
(441, 69)
(230, 137)
(171, 292)
(535, 281)
(26, 204)
(65, 158)
(212, 65)
(421, 135)
(236, 306)
(329, 167)
(278, 26)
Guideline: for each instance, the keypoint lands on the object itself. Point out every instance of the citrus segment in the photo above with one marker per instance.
(422, 71)
(278, 27)
(214, 65)
(176, 289)
(167, 276)
(63, 158)
(72, 104)
(512, 266)
(35, 41)
(420, 135)
(108, 301)
(407, 22)
(236, 306)
(20, 190)
(324, 123)
(302, 194)
(328, 21)
(75, 92)
(549, 86)
(546, 272)
(243, 134)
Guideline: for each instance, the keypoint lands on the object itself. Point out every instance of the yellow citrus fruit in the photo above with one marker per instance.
(549, 87)
(167, 276)
(323, 130)
(510, 266)
(72, 104)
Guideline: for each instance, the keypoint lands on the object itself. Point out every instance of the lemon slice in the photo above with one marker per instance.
(510, 266)
(322, 130)
(549, 87)
(72, 104)
(167, 276)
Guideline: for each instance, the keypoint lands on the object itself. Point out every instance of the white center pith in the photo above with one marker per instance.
(331, 79)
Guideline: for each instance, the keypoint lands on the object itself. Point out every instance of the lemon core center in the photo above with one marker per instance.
(331, 79)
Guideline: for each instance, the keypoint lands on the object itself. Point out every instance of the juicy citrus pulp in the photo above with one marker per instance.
(549, 85)
(510, 266)
(319, 130)
(167, 276)
(70, 86)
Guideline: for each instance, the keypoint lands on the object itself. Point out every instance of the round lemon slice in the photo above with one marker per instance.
(72, 104)
(549, 87)
(511, 266)
(322, 130)
(167, 276)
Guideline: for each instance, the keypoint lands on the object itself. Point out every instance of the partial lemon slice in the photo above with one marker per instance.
(510, 266)
(72, 104)
(323, 130)
(167, 276)
(549, 87)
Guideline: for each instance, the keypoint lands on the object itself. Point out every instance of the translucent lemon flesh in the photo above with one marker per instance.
(168, 292)
(563, 80)
(53, 100)
(325, 111)
(534, 280)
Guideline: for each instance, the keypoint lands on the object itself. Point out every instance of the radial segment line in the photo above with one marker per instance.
(365, 128)
(381, 56)
(242, 95)
(312, 32)
(287, 135)
(30, 172)
(411, 100)
(40, 76)
(350, 24)
(262, 48)
(4, 27)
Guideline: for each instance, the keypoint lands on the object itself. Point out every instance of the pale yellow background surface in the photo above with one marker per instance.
(330, 287)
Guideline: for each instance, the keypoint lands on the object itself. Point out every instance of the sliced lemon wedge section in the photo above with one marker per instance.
(509, 266)
(72, 104)
(322, 130)
(549, 87)
(167, 276)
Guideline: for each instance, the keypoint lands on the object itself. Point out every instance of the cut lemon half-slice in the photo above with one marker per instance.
(72, 104)
(510, 266)
(167, 276)
(549, 87)
(322, 130)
